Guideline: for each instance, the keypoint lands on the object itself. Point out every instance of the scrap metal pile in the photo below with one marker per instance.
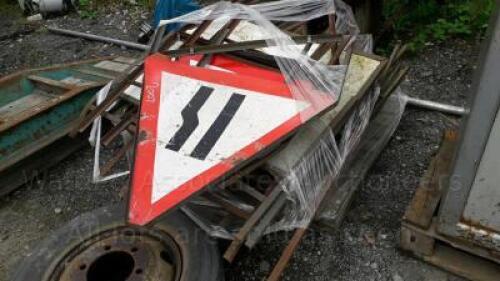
(284, 154)
(247, 118)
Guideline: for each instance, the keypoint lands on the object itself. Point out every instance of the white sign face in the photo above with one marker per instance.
(201, 124)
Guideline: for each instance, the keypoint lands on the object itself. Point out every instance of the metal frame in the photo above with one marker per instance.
(475, 131)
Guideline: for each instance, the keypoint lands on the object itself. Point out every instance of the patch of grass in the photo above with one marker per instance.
(10, 6)
(87, 9)
(423, 21)
(88, 14)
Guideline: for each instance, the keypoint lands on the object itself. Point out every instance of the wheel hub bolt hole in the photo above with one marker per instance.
(166, 257)
(112, 266)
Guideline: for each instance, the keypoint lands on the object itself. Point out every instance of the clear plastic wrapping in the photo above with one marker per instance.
(306, 182)
(308, 185)
(308, 79)
(376, 136)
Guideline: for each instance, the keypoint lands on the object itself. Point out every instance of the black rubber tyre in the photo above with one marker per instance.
(199, 254)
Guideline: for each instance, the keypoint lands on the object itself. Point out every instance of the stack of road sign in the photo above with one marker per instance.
(211, 112)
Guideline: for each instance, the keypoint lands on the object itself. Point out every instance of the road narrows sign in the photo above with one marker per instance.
(198, 124)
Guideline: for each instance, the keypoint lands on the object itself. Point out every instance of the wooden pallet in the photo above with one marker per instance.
(419, 235)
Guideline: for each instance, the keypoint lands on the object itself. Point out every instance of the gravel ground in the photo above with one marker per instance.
(29, 44)
(365, 248)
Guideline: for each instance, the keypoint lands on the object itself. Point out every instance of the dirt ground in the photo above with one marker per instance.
(441, 73)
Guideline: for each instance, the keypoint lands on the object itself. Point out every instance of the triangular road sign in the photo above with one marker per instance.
(198, 124)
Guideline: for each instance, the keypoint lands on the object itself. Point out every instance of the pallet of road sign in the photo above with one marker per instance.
(215, 129)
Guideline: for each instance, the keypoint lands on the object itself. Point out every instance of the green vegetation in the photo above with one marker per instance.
(87, 9)
(422, 21)
(10, 6)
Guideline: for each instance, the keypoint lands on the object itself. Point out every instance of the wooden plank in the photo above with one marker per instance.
(427, 196)
(122, 82)
(228, 205)
(126, 60)
(76, 82)
(241, 186)
(116, 130)
(197, 33)
(49, 103)
(22, 105)
(321, 51)
(233, 249)
(337, 51)
(122, 152)
(50, 85)
(416, 242)
(378, 133)
(95, 73)
(258, 231)
(113, 66)
(449, 254)
(463, 264)
(461, 244)
(22, 73)
(218, 39)
(287, 255)
(200, 30)
(204, 224)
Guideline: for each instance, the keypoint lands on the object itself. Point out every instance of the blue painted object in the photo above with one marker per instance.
(168, 9)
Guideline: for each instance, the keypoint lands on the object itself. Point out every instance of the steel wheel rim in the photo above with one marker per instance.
(128, 253)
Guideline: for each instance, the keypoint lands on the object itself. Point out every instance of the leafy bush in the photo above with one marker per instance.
(87, 9)
(421, 21)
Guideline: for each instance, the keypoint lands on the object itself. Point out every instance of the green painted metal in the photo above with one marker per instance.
(42, 128)
(14, 90)
(15, 140)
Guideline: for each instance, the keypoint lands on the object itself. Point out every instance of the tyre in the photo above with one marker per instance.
(101, 246)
